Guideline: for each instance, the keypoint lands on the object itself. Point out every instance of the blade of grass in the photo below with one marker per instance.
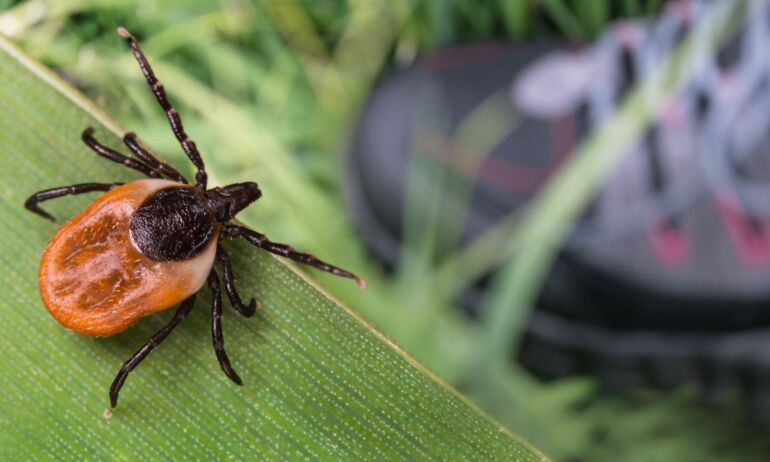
(593, 16)
(631, 8)
(321, 384)
(297, 28)
(564, 18)
(517, 17)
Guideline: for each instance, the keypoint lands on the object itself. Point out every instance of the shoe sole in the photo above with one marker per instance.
(721, 364)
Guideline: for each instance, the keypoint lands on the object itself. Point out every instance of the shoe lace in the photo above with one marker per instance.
(705, 125)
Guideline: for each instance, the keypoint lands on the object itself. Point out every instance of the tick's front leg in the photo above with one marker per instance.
(284, 250)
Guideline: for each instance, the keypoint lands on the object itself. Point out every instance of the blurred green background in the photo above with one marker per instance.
(270, 91)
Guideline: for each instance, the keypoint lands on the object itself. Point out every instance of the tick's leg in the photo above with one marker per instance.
(174, 119)
(216, 329)
(235, 300)
(181, 313)
(108, 153)
(46, 194)
(145, 156)
(260, 240)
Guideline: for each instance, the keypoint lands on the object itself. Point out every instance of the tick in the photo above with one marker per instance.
(147, 245)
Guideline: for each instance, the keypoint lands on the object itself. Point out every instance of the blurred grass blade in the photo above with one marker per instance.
(564, 18)
(517, 17)
(320, 383)
(593, 16)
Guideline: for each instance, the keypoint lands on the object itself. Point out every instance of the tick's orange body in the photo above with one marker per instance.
(94, 280)
(148, 245)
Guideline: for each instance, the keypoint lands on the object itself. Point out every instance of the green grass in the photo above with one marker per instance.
(270, 90)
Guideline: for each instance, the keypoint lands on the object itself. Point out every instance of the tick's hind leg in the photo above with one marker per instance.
(132, 142)
(229, 278)
(216, 329)
(108, 153)
(260, 240)
(181, 313)
(46, 194)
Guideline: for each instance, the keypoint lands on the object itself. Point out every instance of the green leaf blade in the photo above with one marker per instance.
(320, 384)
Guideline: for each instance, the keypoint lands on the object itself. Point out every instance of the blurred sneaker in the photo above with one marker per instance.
(666, 278)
